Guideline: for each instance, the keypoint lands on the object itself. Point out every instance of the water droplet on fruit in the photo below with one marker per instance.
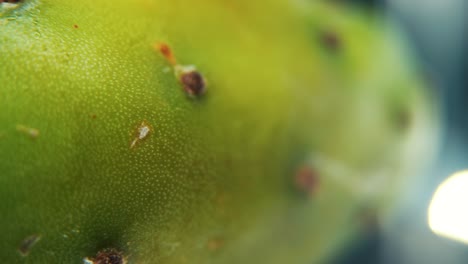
(27, 244)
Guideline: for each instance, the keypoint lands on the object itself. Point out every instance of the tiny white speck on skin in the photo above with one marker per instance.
(143, 132)
(166, 70)
(182, 69)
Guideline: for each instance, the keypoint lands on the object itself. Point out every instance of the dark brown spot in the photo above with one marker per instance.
(330, 40)
(166, 51)
(215, 244)
(368, 220)
(27, 244)
(403, 119)
(10, 1)
(306, 180)
(109, 256)
(93, 116)
(75, 26)
(193, 82)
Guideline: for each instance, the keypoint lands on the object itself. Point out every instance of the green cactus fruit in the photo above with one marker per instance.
(113, 149)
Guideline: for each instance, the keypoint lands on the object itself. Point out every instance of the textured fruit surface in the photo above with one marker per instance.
(309, 113)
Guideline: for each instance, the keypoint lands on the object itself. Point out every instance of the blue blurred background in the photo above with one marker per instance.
(438, 33)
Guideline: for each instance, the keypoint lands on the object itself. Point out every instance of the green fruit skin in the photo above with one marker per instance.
(213, 182)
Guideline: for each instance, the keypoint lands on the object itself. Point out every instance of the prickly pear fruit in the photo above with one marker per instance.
(113, 149)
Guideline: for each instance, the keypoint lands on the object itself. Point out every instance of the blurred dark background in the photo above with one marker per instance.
(438, 33)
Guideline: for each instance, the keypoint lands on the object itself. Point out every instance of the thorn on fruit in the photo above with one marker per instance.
(306, 180)
(107, 256)
(193, 82)
(166, 51)
(27, 244)
(142, 132)
(29, 131)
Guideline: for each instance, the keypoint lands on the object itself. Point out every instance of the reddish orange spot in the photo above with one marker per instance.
(306, 180)
(166, 52)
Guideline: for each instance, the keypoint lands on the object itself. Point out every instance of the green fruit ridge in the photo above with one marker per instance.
(113, 149)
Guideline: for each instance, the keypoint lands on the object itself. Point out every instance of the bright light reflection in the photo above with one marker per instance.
(448, 211)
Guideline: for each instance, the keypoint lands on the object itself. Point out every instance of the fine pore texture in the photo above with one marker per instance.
(294, 116)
